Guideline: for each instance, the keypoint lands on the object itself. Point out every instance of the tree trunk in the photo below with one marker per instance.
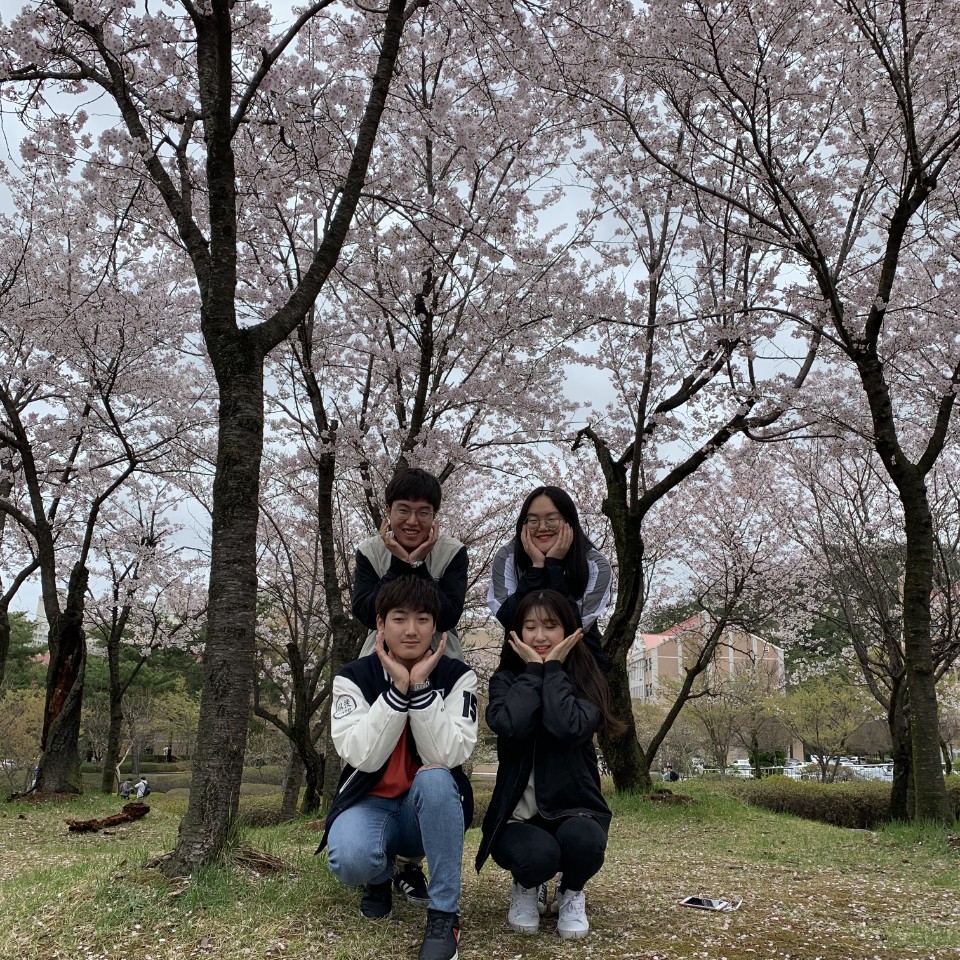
(313, 790)
(112, 756)
(292, 780)
(626, 760)
(60, 763)
(116, 702)
(898, 721)
(6, 486)
(932, 802)
(331, 771)
(4, 639)
(230, 651)
(346, 636)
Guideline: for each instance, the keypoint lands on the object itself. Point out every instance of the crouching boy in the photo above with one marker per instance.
(404, 719)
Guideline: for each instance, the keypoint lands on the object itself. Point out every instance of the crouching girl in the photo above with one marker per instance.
(547, 700)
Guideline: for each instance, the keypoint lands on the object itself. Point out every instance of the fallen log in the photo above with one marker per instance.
(131, 811)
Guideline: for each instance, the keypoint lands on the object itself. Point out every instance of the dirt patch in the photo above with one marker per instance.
(34, 797)
(669, 798)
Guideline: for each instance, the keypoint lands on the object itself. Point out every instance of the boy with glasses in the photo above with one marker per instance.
(410, 543)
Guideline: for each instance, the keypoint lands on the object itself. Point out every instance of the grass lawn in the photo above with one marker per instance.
(808, 891)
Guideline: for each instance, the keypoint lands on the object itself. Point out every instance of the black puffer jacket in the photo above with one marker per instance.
(542, 725)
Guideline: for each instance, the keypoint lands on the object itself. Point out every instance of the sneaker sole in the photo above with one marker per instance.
(413, 898)
(523, 928)
(572, 934)
(385, 916)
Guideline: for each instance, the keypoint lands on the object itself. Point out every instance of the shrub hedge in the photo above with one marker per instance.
(862, 805)
(146, 766)
(258, 811)
(481, 800)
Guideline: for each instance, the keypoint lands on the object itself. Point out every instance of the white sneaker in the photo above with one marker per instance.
(573, 914)
(523, 915)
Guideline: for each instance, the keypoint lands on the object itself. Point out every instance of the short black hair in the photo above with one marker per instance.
(414, 484)
(410, 593)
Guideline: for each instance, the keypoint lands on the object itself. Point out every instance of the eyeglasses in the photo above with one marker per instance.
(551, 521)
(423, 515)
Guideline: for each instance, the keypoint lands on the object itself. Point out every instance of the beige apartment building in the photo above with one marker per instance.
(655, 657)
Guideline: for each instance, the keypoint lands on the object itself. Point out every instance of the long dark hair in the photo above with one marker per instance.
(575, 562)
(581, 666)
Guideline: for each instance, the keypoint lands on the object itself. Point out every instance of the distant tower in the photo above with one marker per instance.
(41, 628)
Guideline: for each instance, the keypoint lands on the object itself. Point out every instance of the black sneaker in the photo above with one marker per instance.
(441, 937)
(411, 882)
(377, 901)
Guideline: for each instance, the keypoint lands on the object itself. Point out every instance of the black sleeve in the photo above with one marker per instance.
(453, 590)
(452, 586)
(551, 576)
(515, 705)
(565, 715)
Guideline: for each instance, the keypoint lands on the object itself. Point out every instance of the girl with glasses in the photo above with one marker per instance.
(551, 551)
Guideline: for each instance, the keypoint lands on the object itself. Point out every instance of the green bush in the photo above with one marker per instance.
(265, 774)
(482, 792)
(953, 792)
(863, 805)
(859, 804)
(146, 766)
(258, 811)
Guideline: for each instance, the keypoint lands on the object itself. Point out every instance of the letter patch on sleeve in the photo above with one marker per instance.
(344, 706)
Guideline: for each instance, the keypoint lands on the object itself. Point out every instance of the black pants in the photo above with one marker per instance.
(535, 850)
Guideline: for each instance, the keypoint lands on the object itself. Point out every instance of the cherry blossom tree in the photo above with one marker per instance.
(446, 291)
(295, 631)
(18, 561)
(830, 131)
(682, 347)
(150, 599)
(851, 528)
(729, 563)
(90, 395)
(189, 84)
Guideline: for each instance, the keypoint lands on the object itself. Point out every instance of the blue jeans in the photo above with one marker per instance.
(427, 819)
